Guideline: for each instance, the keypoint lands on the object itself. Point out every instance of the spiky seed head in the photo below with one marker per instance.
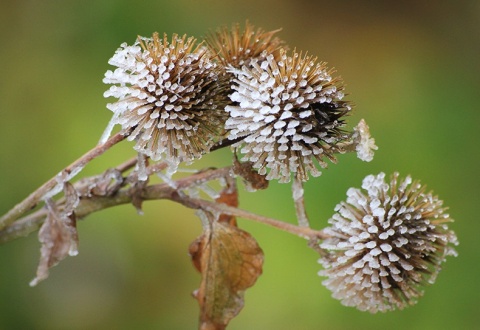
(386, 241)
(168, 95)
(288, 114)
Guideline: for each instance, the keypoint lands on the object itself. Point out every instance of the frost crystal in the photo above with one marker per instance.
(168, 96)
(365, 144)
(385, 242)
(287, 113)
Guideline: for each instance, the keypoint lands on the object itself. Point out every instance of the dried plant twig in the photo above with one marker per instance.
(34, 198)
(94, 203)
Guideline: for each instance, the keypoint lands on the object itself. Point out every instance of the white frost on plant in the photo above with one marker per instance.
(212, 193)
(141, 168)
(108, 130)
(297, 190)
(167, 178)
(365, 144)
(61, 178)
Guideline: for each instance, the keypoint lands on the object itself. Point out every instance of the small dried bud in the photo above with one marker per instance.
(289, 113)
(168, 94)
(386, 241)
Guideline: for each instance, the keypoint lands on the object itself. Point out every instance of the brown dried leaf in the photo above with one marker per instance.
(71, 198)
(228, 196)
(251, 178)
(136, 193)
(59, 239)
(230, 261)
(107, 184)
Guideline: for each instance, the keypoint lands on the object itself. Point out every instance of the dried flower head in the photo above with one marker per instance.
(168, 94)
(288, 112)
(237, 48)
(386, 241)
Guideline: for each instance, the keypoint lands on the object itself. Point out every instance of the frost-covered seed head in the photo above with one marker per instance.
(236, 48)
(289, 112)
(168, 94)
(385, 242)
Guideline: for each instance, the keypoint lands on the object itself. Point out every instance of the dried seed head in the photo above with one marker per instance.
(236, 48)
(289, 112)
(168, 94)
(386, 241)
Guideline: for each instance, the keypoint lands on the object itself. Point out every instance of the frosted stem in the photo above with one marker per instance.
(212, 193)
(167, 178)
(34, 198)
(202, 215)
(142, 167)
(108, 130)
(297, 191)
(92, 203)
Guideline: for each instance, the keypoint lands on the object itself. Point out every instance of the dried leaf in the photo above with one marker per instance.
(228, 196)
(230, 261)
(136, 194)
(251, 178)
(58, 236)
(71, 198)
(107, 184)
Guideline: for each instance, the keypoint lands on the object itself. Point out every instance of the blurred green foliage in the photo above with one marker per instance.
(411, 68)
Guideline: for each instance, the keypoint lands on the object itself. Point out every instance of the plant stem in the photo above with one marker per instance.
(32, 200)
(298, 192)
(225, 143)
(93, 203)
(304, 232)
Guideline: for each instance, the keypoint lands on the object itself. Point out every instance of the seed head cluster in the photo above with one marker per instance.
(386, 241)
(175, 96)
(287, 113)
(168, 95)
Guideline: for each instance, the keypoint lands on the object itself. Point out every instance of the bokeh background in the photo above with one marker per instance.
(412, 69)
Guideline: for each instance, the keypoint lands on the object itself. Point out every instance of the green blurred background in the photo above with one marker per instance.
(411, 68)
